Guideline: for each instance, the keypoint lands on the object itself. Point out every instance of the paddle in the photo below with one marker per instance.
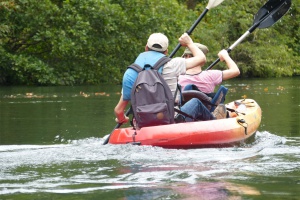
(267, 15)
(211, 4)
(117, 126)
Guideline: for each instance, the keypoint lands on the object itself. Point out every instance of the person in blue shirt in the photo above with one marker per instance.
(156, 48)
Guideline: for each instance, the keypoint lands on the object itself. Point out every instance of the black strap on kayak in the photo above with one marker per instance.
(244, 124)
(181, 98)
(233, 110)
(184, 114)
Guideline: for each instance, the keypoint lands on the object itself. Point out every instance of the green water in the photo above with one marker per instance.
(51, 148)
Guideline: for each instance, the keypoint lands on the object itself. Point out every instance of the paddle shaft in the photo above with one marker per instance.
(231, 47)
(258, 21)
(189, 32)
(117, 126)
(211, 4)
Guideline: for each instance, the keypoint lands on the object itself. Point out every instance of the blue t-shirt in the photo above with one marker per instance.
(130, 75)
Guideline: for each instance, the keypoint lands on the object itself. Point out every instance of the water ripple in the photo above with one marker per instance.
(83, 165)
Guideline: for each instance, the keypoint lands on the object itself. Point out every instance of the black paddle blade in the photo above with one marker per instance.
(271, 12)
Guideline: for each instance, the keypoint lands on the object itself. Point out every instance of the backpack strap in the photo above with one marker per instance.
(156, 66)
(161, 62)
(181, 98)
(135, 67)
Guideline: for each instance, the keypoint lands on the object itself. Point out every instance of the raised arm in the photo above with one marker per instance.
(232, 70)
(198, 56)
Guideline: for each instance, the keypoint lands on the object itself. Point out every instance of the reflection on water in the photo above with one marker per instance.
(82, 166)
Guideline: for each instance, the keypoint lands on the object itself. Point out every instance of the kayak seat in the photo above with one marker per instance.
(209, 100)
(189, 94)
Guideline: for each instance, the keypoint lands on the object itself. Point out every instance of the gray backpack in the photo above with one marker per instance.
(152, 101)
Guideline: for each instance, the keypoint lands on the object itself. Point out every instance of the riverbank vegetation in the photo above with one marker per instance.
(73, 42)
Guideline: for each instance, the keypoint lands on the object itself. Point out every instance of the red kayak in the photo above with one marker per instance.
(214, 133)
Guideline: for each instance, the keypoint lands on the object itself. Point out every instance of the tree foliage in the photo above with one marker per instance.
(55, 42)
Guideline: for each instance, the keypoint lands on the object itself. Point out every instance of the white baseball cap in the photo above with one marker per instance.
(158, 42)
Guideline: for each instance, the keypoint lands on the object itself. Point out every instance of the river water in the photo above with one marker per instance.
(51, 148)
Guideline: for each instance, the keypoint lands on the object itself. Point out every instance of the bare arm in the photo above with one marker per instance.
(199, 57)
(119, 111)
(233, 69)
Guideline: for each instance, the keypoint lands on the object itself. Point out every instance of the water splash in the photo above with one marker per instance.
(86, 165)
